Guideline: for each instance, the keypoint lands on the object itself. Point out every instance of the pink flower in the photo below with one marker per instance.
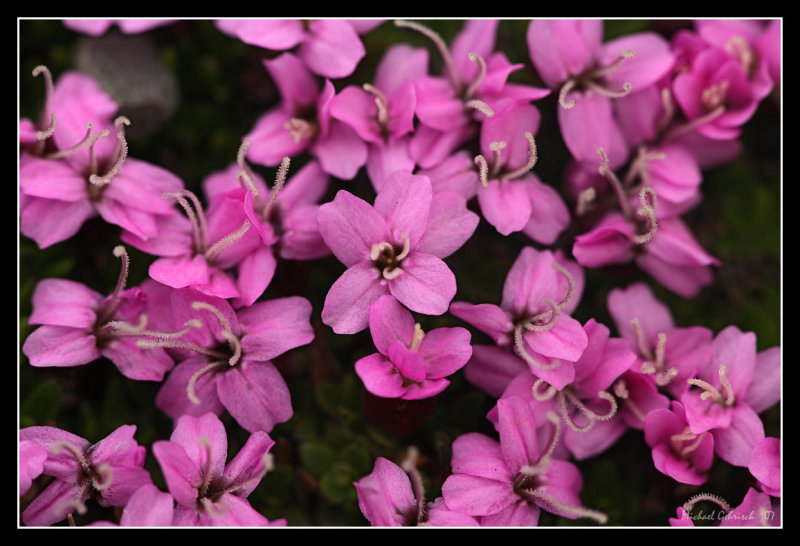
(507, 483)
(733, 387)
(538, 295)
(410, 363)
(208, 491)
(31, 464)
(147, 507)
(109, 471)
(79, 326)
(328, 47)
(77, 174)
(394, 247)
(387, 498)
(677, 452)
(666, 354)
(303, 122)
(225, 358)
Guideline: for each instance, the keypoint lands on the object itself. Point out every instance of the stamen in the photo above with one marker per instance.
(533, 325)
(205, 443)
(480, 106)
(216, 249)
(715, 95)
(519, 342)
(116, 297)
(48, 96)
(197, 219)
(416, 338)
(473, 88)
(496, 147)
(170, 344)
(106, 477)
(729, 398)
(585, 199)
(532, 158)
(689, 449)
(709, 390)
(237, 347)
(568, 86)
(201, 305)
(739, 48)
(616, 185)
(114, 170)
(441, 46)
(60, 445)
(641, 343)
(578, 511)
(390, 274)
(589, 414)
(543, 462)
(47, 133)
(190, 387)
(378, 248)
(280, 180)
(71, 520)
(570, 282)
(244, 168)
(88, 139)
(719, 501)
(77, 504)
(381, 102)
(621, 391)
(409, 464)
(483, 170)
(694, 124)
(406, 248)
(300, 129)
(124, 329)
(669, 109)
(648, 211)
(538, 395)
(606, 70)
(609, 93)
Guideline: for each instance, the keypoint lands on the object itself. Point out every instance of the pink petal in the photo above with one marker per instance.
(405, 202)
(278, 34)
(387, 157)
(736, 442)
(248, 464)
(487, 317)
(517, 428)
(181, 474)
(48, 221)
(50, 179)
(562, 48)
(341, 153)
(479, 455)
(148, 507)
(445, 350)
(61, 302)
(255, 395)
(505, 205)
(491, 369)
(764, 390)
(300, 237)
(590, 125)
(450, 225)
(60, 346)
(476, 496)
(271, 140)
(275, 326)
(408, 362)
(181, 272)
(651, 61)
(204, 441)
(137, 363)
(350, 227)
(379, 376)
(254, 273)
(173, 398)
(385, 494)
(565, 340)
(357, 108)
(53, 504)
(388, 322)
(331, 48)
(476, 36)
(609, 242)
(638, 301)
(426, 284)
(765, 464)
(306, 186)
(549, 214)
(346, 307)
(399, 64)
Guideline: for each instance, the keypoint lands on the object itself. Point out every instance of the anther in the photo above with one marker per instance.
(196, 216)
(216, 249)
(496, 147)
(543, 462)
(245, 172)
(381, 102)
(538, 395)
(483, 170)
(47, 133)
(300, 129)
(480, 106)
(519, 343)
(406, 247)
(605, 171)
(585, 200)
(122, 154)
(116, 297)
(647, 211)
(280, 180)
(416, 338)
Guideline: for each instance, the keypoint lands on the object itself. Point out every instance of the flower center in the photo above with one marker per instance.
(714, 95)
(724, 396)
(594, 79)
(685, 443)
(654, 361)
(388, 257)
(496, 171)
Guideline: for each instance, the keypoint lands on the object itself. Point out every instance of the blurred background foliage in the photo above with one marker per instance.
(338, 428)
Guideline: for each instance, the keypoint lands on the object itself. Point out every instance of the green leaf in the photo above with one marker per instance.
(316, 457)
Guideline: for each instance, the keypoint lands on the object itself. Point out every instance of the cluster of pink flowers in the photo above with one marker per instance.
(641, 117)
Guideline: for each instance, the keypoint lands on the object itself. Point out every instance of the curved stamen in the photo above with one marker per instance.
(236, 344)
(538, 395)
(244, 169)
(719, 501)
(610, 93)
(47, 133)
(381, 102)
(216, 249)
(406, 248)
(88, 140)
(196, 219)
(378, 248)
(585, 200)
(647, 211)
(616, 185)
(60, 445)
(568, 86)
(606, 70)
(519, 342)
(669, 109)
(473, 87)
(644, 349)
(621, 391)
(480, 106)
(694, 123)
(201, 305)
(709, 390)
(190, 387)
(416, 338)
(570, 284)
(590, 415)
(125, 329)
(533, 324)
(205, 443)
(532, 158)
(280, 180)
(483, 170)
(543, 462)
(441, 46)
(48, 95)
(729, 397)
(117, 166)
(300, 129)
(116, 297)
(578, 511)
(390, 274)
(409, 464)
(76, 504)
(106, 476)
(175, 344)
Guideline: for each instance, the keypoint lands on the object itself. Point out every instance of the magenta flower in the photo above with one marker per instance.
(328, 47)
(508, 483)
(667, 354)
(538, 295)
(85, 174)
(387, 498)
(303, 122)
(410, 363)
(394, 247)
(225, 358)
(147, 507)
(677, 452)
(109, 471)
(765, 465)
(79, 326)
(208, 491)
(733, 387)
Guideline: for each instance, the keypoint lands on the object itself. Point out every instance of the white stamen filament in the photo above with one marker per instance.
(621, 391)
(244, 169)
(191, 392)
(409, 464)
(116, 296)
(496, 147)
(543, 462)
(441, 46)
(519, 343)
(88, 140)
(48, 96)
(216, 249)
(406, 247)
(381, 102)
(473, 88)
(196, 217)
(416, 338)
(480, 106)
(538, 395)
(616, 185)
(300, 129)
(47, 133)
(532, 158)
(647, 211)
(483, 170)
(585, 199)
(280, 180)
(106, 477)
(568, 86)
(578, 511)
(719, 501)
